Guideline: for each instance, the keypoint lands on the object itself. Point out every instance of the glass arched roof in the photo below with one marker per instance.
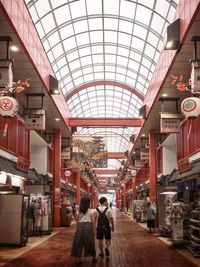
(103, 44)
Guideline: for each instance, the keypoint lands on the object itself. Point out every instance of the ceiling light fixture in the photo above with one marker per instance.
(14, 48)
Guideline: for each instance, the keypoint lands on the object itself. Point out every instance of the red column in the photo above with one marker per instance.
(152, 165)
(124, 196)
(134, 187)
(117, 198)
(57, 177)
(78, 187)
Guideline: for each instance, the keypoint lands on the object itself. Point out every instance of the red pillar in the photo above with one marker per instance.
(57, 177)
(152, 165)
(117, 198)
(134, 187)
(124, 196)
(78, 187)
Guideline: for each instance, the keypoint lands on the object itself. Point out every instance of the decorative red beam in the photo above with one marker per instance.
(103, 171)
(116, 155)
(73, 122)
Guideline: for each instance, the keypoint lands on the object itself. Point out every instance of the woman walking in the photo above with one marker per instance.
(85, 232)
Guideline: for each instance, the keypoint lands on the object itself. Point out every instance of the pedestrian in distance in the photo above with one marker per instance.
(105, 224)
(85, 232)
(150, 217)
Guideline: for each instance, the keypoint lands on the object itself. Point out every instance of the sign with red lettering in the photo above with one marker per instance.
(184, 165)
(22, 164)
(170, 123)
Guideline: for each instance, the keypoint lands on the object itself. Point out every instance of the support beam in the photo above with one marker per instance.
(73, 122)
(116, 155)
(107, 171)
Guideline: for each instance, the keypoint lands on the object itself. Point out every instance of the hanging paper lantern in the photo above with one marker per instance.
(191, 107)
(67, 173)
(133, 172)
(8, 106)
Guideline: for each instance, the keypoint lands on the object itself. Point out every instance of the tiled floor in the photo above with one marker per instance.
(131, 246)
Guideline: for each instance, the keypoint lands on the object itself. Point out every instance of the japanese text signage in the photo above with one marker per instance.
(170, 123)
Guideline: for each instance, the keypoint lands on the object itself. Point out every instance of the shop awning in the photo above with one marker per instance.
(195, 169)
(8, 166)
(33, 176)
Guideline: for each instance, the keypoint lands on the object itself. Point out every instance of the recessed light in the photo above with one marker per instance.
(14, 48)
(57, 119)
(143, 135)
(164, 95)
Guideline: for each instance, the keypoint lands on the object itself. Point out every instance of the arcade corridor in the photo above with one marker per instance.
(131, 246)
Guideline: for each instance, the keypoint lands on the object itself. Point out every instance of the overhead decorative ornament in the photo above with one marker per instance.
(8, 106)
(191, 107)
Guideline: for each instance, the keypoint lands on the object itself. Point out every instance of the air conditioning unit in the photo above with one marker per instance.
(6, 73)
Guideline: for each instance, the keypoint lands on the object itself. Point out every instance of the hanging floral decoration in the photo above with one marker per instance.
(178, 82)
(16, 87)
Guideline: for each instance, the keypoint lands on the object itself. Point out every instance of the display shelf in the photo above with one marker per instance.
(194, 246)
(196, 239)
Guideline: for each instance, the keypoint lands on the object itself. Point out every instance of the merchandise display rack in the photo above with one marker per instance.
(194, 246)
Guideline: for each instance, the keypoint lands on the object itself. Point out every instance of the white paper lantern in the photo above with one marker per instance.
(89, 185)
(67, 173)
(191, 107)
(8, 106)
(133, 172)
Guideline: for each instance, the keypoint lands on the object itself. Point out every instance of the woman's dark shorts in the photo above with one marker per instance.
(103, 233)
(151, 223)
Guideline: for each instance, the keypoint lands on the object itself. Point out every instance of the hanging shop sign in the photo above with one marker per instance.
(8, 106)
(22, 164)
(170, 123)
(66, 153)
(191, 107)
(144, 154)
(139, 163)
(35, 120)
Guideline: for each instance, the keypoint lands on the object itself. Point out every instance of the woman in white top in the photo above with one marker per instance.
(84, 235)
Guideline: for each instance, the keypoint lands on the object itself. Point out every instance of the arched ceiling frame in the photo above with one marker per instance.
(103, 41)
(88, 85)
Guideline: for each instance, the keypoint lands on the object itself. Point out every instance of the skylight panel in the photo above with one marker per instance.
(54, 39)
(146, 15)
(62, 14)
(66, 32)
(95, 24)
(127, 10)
(157, 23)
(42, 7)
(78, 9)
(94, 7)
(80, 26)
(48, 23)
(96, 37)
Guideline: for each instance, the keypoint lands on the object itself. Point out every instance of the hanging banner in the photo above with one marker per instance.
(139, 163)
(94, 150)
(170, 123)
